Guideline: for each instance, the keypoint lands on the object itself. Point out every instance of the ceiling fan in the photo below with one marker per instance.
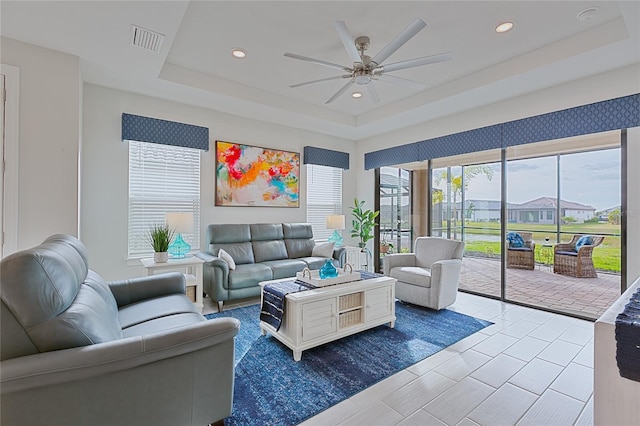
(366, 69)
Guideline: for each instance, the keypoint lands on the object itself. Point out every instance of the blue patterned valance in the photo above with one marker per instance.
(619, 113)
(145, 129)
(614, 114)
(326, 157)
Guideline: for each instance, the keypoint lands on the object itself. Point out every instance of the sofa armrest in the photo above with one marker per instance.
(445, 276)
(397, 259)
(87, 362)
(142, 288)
(215, 261)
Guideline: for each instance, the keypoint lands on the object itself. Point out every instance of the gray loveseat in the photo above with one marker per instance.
(78, 351)
(261, 252)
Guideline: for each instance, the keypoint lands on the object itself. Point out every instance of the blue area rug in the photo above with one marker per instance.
(272, 389)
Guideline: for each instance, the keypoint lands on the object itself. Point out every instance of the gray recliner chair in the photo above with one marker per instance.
(76, 350)
(429, 276)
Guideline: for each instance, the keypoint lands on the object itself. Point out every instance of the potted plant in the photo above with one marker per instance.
(385, 247)
(160, 236)
(363, 223)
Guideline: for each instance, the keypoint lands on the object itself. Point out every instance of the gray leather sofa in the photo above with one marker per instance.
(76, 350)
(261, 252)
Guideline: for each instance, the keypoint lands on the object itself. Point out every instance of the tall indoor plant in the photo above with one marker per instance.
(160, 236)
(363, 223)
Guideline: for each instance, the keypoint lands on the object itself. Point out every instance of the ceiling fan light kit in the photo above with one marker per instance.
(366, 69)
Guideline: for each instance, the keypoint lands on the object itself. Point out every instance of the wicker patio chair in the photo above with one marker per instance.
(522, 257)
(568, 261)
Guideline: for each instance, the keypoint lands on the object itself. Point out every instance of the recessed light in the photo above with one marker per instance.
(239, 53)
(356, 95)
(504, 27)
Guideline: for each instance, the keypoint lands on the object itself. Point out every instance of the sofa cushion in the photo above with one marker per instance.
(299, 247)
(269, 250)
(235, 239)
(240, 252)
(298, 238)
(297, 231)
(150, 309)
(412, 275)
(249, 275)
(266, 231)
(285, 268)
(163, 324)
(228, 233)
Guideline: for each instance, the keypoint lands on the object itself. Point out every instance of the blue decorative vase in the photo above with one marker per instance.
(328, 270)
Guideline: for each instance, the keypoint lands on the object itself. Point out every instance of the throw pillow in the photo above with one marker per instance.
(585, 239)
(227, 258)
(515, 240)
(323, 250)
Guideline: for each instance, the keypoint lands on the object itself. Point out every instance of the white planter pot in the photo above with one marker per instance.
(161, 257)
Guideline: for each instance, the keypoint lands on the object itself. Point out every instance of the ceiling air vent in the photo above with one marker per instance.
(146, 39)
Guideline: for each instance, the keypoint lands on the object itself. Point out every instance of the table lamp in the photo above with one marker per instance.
(336, 222)
(179, 222)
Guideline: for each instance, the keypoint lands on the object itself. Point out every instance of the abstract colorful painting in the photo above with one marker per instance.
(253, 176)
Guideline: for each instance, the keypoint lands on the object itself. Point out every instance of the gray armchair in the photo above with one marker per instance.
(78, 351)
(429, 276)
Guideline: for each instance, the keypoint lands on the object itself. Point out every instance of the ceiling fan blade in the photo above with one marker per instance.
(417, 62)
(318, 61)
(340, 92)
(373, 93)
(321, 79)
(347, 40)
(402, 81)
(401, 39)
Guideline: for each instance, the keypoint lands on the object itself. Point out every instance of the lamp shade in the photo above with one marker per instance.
(335, 221)
(180, 222)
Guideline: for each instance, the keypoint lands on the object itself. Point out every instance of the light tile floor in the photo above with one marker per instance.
(529, 368)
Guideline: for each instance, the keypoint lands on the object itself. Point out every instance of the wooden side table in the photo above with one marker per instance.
(190, 266)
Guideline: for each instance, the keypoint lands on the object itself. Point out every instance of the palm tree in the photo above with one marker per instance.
(458, 184)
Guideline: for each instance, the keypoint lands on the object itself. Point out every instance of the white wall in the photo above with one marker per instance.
(50, 103)
(103, 217)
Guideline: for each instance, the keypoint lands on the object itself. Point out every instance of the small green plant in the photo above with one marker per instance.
(386, 247)
(160, 236)
(363, 223)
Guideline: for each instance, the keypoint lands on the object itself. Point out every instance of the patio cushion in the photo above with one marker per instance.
(567, 253)
(412, 275)
(585, 239)
(519, 248)
(515, 240)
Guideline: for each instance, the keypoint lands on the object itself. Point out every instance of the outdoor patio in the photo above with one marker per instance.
(587, 297)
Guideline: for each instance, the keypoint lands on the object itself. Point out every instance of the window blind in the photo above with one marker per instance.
(324, 198)
(162, 178)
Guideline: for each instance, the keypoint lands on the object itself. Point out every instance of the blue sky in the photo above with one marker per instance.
(591, 178)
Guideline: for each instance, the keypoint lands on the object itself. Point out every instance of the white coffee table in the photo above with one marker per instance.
(317, 316)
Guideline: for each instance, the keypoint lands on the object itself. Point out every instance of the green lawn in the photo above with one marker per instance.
(606, 257)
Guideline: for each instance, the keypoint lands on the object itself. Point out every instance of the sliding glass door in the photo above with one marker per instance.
(551, 193)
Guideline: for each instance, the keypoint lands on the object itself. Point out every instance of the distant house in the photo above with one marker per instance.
(541, 210)
(603, 216)
(544, 209)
